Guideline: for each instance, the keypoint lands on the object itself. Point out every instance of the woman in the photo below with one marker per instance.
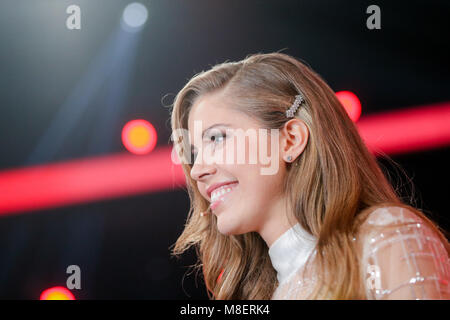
(325, 224)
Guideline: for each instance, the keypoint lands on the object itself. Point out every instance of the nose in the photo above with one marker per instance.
(200, 171)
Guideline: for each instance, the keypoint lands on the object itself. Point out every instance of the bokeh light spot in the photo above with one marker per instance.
(134, 16)
(57, 293)
(351, 103)
(139, 136)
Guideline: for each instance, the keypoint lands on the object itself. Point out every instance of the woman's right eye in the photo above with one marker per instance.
(217, 137)
(214, 138)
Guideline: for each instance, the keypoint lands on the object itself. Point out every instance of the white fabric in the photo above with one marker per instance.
(408, 262)
(289, 252)
(400, 263)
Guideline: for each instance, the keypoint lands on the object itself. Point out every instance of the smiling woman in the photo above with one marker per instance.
(312, 230)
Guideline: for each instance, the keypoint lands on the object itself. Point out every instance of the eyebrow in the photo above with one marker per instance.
(212, 127)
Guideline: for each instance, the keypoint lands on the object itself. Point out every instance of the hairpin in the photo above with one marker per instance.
(293, 109)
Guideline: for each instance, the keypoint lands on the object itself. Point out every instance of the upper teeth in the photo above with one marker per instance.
(219, 192)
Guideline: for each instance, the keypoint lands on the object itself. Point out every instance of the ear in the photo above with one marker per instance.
(293, 138)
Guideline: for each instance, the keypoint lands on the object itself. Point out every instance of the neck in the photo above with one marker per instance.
(276, 223)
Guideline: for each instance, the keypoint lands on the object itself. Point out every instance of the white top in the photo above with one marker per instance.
(289, 252)
(397, 262)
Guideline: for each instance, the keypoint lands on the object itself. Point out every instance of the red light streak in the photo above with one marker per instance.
(79, 181)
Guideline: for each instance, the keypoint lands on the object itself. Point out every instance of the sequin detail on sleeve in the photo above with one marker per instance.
(296, 287)
(405, 262)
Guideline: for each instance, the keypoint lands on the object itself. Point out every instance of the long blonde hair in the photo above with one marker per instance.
(336, 184)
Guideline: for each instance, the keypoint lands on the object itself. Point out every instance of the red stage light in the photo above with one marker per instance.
(351, 104)
(89, 179)
(57, 293)
(139, 136)
(83, 180)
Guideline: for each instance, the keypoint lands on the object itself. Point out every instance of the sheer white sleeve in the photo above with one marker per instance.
(397, 262)
(406, 262)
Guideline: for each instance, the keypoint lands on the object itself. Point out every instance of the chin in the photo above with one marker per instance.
(227, 229)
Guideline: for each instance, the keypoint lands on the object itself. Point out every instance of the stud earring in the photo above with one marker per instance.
(289, 158)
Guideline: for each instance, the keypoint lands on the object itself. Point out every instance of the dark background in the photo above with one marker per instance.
(122, 245)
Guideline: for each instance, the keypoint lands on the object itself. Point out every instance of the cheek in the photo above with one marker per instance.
(260, 190)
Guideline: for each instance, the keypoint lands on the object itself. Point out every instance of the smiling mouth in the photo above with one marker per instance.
(219, 195)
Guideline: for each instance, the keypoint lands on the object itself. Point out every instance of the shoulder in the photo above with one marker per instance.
(387, 225)
(385, 216)
(402, 256)
(389, 218)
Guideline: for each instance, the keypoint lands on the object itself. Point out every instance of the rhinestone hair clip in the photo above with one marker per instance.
(293, 109)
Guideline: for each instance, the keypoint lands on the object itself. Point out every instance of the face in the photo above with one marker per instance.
(254, 201)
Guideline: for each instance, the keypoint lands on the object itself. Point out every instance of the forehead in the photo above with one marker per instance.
(215, 108)
(210, 109)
